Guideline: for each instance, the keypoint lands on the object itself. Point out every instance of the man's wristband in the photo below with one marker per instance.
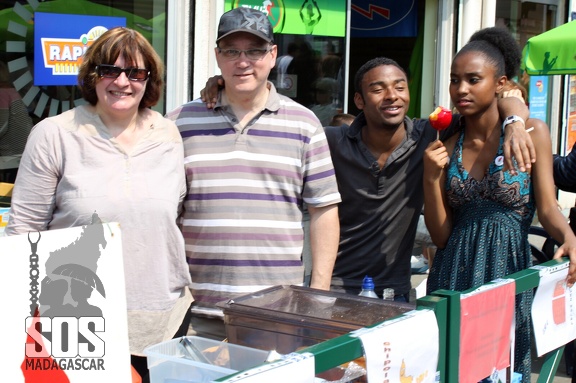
(511, 119)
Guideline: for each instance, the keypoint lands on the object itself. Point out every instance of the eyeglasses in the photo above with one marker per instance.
(251, 54)
(112, 71)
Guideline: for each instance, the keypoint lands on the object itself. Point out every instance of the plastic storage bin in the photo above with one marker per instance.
(287, 318)
(168, 362)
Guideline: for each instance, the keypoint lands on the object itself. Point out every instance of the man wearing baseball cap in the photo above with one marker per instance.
(251, 163)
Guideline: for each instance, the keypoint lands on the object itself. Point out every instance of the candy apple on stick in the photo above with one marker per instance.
(440, 119)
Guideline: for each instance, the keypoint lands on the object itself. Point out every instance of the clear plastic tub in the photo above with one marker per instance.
(288, 318)
(199, 360)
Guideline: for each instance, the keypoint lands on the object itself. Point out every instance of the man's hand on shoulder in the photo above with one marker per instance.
(209, 94)
(518, 146)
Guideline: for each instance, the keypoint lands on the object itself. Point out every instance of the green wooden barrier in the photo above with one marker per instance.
(453, 334)
(440, 307)
(446, 307)
(525, 280)
(345, 348)
(334, 352)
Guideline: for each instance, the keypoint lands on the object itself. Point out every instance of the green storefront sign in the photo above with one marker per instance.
(308, 17)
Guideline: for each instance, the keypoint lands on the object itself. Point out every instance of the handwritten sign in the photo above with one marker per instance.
(403, 349)
(486, 323)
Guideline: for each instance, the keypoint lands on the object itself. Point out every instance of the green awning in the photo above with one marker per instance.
(552, 52)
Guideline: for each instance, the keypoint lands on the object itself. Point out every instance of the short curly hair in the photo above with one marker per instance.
(129, 44)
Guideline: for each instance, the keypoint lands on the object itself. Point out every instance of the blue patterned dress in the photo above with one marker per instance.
(489, 239)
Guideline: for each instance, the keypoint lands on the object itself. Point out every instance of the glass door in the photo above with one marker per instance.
(526, 19)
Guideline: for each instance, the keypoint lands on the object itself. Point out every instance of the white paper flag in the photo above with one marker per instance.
(553, 309)
(402, 350)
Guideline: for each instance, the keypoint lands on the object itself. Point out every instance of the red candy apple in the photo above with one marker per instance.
(440, 118)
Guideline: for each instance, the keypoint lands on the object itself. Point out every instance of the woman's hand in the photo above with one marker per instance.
(437, 213)
(435, 159)
(209, 94)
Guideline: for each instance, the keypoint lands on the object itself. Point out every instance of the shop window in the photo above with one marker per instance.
(309, 69)
(25, 97)
(526, 19)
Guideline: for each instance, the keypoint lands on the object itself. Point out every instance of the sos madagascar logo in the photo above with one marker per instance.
(275, 10)
(65, 330)
(64, 56)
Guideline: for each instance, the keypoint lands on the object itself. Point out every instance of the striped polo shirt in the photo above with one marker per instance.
(246, 187)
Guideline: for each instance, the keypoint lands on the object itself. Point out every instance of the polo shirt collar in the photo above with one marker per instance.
(272, 103)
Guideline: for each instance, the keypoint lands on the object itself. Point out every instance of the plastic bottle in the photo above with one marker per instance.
(388, 294)
(368, 288)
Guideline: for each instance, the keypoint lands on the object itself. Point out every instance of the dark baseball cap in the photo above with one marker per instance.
(244, 19)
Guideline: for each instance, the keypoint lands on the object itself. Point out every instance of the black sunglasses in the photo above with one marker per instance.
(111, 71)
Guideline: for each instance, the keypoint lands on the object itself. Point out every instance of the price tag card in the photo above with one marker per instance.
(402, 350)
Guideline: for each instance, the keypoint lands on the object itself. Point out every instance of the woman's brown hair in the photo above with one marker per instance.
(129, 44)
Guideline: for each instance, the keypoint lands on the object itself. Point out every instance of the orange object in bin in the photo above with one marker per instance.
(135, 376)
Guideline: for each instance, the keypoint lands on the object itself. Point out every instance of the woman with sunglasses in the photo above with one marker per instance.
(116, 157)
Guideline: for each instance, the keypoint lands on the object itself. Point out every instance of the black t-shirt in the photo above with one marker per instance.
(380, 208)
